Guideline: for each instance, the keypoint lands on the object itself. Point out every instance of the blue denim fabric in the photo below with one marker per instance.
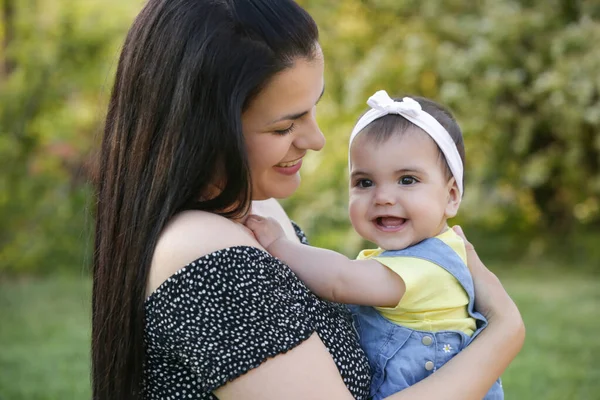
(401, 357)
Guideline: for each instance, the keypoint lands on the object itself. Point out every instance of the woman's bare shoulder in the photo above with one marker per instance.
(191, 235)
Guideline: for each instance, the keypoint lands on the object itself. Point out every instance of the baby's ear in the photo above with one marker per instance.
(454, 198)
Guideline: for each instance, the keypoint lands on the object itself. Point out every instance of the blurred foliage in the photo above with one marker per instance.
(522, 77)
(55, 61)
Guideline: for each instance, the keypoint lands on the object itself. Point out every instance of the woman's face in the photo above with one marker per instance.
(280, 126)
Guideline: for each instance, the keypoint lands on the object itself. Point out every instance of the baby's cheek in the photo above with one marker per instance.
(357, 217)
(353, 213)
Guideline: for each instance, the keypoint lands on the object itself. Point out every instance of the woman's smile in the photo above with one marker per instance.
(289, 168)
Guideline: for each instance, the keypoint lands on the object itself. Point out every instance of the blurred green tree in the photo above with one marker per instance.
(55, 61)
(523, 79)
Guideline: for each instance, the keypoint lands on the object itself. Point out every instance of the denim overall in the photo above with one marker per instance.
(399, 356)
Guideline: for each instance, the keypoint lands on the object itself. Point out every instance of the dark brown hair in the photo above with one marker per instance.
(187, 71)
(393, 124)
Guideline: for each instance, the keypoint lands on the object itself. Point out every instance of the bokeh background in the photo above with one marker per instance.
(521, 76)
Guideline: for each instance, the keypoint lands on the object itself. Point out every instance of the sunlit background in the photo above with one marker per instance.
(521, 76)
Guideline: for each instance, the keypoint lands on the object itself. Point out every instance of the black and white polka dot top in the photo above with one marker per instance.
(226, 313)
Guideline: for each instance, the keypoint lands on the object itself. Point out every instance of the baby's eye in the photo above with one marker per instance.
(364, 183)
(408, 180)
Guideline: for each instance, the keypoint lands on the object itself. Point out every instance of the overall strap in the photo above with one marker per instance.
(436, 251)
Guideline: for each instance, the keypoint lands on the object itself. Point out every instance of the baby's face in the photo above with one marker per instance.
(399, 192)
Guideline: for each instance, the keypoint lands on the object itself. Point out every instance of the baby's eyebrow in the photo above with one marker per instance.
(358, 173)
(408, 170)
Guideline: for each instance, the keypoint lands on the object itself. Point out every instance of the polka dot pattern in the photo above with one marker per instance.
(226, 313)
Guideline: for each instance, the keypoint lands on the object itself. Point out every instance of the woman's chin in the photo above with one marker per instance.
(282, 190)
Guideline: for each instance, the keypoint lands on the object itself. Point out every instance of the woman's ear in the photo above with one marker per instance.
(454, 199)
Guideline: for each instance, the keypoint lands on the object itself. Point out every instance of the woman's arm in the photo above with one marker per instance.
(308, 371)
(330, 275)
(305, 372)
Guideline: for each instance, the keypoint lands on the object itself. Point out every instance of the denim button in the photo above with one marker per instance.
(427, 340)
(429, 365)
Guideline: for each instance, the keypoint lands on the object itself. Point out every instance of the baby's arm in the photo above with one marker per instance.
(330, 275)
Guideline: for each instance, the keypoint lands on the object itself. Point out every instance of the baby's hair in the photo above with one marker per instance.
(383, 128)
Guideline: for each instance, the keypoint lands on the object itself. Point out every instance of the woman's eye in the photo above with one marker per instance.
(364, 183)
(408, 180)
(285, 131)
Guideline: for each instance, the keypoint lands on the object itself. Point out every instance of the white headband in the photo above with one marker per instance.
(381, 104)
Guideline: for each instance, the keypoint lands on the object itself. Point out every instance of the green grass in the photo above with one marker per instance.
(44, 338)
(560, 359)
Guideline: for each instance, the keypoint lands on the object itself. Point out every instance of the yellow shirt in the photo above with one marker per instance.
(434, 299)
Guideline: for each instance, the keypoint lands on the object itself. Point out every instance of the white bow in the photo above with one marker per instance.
(381, 101)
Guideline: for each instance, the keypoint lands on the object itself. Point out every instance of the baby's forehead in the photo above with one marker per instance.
(373, 138)
(414, 148)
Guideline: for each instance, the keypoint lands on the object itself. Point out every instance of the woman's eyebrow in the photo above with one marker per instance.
(300, 114)
(290, 116)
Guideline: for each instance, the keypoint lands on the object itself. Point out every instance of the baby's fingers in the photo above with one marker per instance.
(265, 230)
(254, 221)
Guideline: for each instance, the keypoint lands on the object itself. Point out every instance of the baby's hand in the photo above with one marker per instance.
(266, 230)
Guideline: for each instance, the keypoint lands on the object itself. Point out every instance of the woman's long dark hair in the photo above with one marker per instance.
(187, 70)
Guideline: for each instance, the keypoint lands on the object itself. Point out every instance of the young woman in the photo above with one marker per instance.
(212, 111)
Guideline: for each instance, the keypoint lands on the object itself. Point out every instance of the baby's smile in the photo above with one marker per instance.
(388, 223)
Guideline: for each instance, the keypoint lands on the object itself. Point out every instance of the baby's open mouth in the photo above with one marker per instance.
(390, 222)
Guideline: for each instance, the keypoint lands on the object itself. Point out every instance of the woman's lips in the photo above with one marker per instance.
(289, 168)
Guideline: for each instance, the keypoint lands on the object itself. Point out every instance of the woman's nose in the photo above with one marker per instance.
(311, 138)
